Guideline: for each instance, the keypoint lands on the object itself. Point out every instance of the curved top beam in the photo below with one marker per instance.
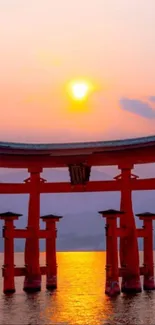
(12, 148)
(123, 153)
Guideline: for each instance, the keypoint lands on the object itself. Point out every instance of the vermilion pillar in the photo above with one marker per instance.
(148, 218)
(129, 255)
(50, 220)
(112, 271)
(8, 234)
(33, 275)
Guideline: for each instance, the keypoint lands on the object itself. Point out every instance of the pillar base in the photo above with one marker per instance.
(51, 282)
(9, 291)
(112, 288)
(149, 283)
(131, 286)
(32, 284)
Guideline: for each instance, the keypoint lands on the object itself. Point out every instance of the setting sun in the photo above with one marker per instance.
(79, 90)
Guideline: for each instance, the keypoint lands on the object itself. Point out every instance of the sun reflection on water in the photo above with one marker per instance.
(83, 290)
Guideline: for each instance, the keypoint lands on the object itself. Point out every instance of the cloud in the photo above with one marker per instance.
(152, 98)
(138, 107)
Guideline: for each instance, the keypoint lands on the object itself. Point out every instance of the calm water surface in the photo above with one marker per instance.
(79, 299)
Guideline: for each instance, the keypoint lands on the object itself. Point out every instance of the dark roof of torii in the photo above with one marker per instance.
(145, 214)
(51, 149)
(10, 214)
(51, 216)
(111, 212)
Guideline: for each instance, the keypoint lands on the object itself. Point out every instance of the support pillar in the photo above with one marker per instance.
(112, 271)
(32, 280)
(51, 276)
(8, 234)
(129, 255)
(148, 218)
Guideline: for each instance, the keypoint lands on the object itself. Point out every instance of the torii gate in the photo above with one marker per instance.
(79, 158)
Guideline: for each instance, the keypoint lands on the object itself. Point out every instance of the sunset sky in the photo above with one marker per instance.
(45, 44)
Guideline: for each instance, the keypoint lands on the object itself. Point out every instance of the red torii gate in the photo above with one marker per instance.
(79, 158)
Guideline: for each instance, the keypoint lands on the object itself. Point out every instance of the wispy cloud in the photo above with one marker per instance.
(152, 98)
(138, 107)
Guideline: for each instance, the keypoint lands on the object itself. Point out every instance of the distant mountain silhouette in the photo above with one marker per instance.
(82, 228)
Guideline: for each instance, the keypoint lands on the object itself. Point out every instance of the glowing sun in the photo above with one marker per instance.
(79, 90)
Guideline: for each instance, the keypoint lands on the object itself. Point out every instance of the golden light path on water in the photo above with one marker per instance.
(83, 294)
(79, 298)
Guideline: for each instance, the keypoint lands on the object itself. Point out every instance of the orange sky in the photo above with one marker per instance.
(45, 44)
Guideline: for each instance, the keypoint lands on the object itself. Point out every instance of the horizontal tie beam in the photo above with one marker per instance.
(27, 233)
(22, 271)
(123, 270)
(66, 187)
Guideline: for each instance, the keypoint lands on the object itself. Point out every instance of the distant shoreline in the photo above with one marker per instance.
(72, 251)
